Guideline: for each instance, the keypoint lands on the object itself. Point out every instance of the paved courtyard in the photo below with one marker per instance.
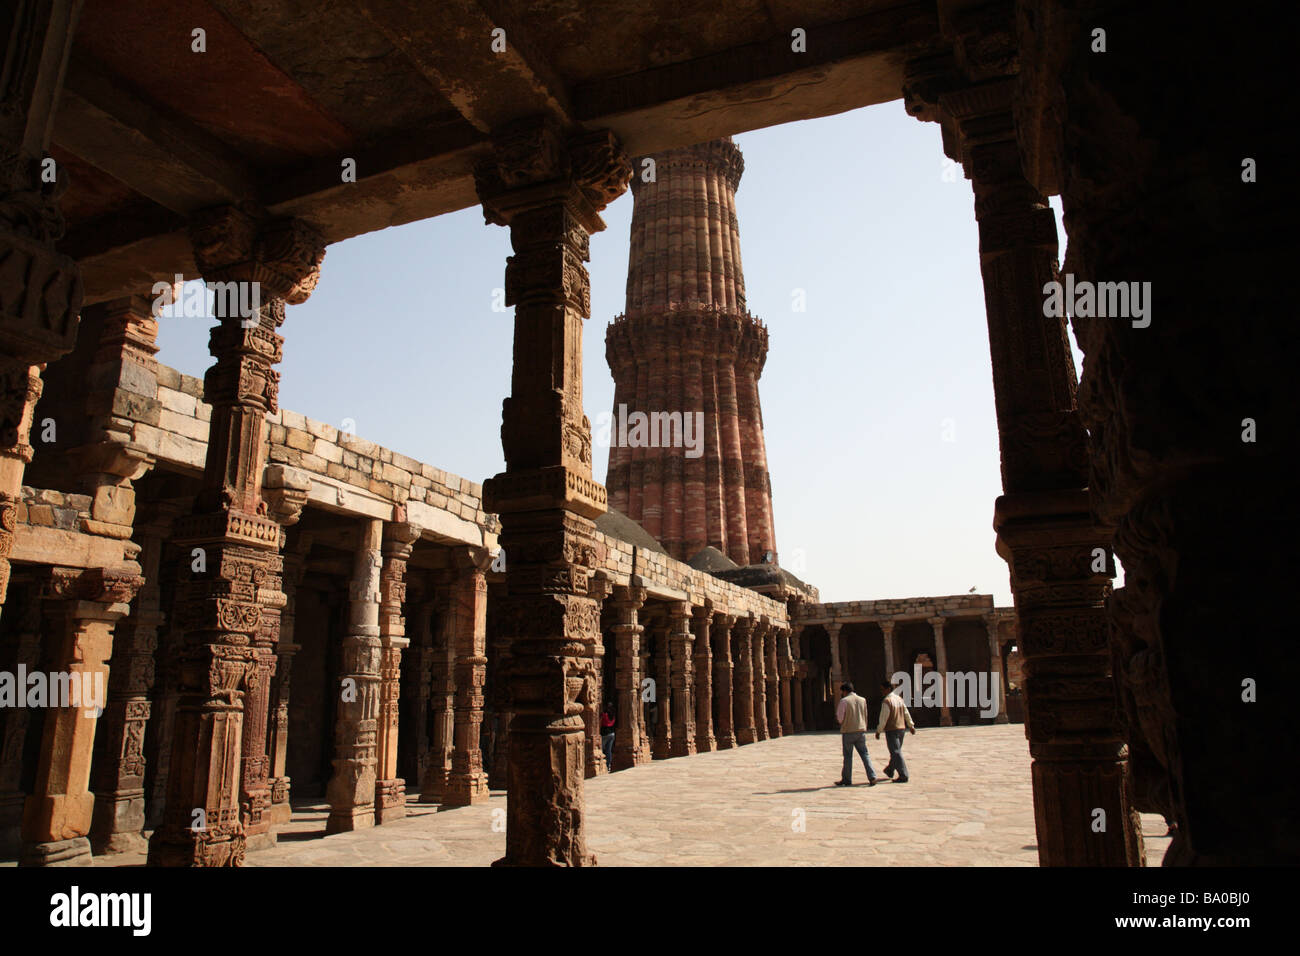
(767, 804)
(772, 803)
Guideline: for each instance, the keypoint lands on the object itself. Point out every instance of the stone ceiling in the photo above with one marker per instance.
(148, 130)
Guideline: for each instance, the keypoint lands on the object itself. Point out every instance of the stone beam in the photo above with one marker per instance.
(163, 157)
(847, 65)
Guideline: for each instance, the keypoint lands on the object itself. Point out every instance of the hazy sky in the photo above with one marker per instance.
(877, 400)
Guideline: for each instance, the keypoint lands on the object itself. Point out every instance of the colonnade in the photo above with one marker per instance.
(692, 679)
(937, 623)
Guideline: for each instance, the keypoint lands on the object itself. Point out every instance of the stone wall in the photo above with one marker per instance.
(954, 605)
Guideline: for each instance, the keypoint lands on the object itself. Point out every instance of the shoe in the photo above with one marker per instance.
(901, 780)
(841, 783)
(888, 772)
(872, 781)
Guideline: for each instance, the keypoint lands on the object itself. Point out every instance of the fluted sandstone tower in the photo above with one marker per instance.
(686, 344)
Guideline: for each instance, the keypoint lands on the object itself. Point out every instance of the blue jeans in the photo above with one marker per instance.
(856, 742)
(895, 740)
(607, 745)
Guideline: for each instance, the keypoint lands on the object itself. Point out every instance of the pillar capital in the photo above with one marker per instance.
(285, 490)
(548, 186)
(243, 243)
(599, 586)
(100, 593)
(631, 595)
(535, 162)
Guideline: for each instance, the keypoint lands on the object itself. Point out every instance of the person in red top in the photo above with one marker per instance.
(607, 722)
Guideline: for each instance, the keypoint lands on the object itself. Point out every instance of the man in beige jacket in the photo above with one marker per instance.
(852, 715)
(894, 718)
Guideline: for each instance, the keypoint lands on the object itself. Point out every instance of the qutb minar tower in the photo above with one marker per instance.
(687, 344)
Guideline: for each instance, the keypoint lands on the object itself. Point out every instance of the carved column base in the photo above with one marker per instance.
(390, 800)
(280, 811)
(628, 757)
(543, 752)
(465, 790)
(257, 819)
(74, 852)
(433, 787)
(117, 823)
(1071, 830)
(348, 819)
(214, 837)
(662, 748)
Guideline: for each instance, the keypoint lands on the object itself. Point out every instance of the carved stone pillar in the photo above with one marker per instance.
(629, 730)
(797, 695)
(166, 699)
(390, 789)
(229, 602)
(785, 666)
(351, 789)
(683, 678)
(645, 698)
(758, 645)
(548, 189)
(255, 764)
(442, 692)
(941, 665)
(119, 816)
(662, 747)
(499, 775)
(887, 637)
(285, 491)
(466, 782)
(40, 290)
(1059, 557)
(995, 666)
(1203, 507)
(723, 679)
(837, 670)
(81, 610)
(277, 747)
(594, 682)
(773, 673)
(417, 662)
(743, 669)
(704, 740)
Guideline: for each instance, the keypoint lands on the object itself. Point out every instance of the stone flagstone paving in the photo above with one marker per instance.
(968, 804)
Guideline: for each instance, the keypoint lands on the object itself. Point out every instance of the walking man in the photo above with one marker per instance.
(895, 720)
(852, 715)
